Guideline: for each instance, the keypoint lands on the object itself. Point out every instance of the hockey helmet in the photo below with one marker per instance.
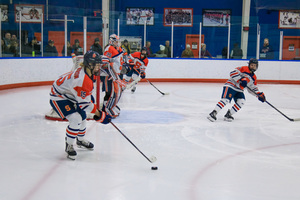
(144, 51)
(254, 61)
(90, 59)
(114, 40)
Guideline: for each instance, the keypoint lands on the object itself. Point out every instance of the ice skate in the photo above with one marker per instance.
(70, 151)
(212, 116)
(228, 117)
(85, 143)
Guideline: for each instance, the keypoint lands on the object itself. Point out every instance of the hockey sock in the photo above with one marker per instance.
(237, 106)
(82, 131)
(221, 104)
(72, 130)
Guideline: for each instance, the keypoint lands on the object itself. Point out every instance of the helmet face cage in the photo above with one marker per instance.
(114, 40)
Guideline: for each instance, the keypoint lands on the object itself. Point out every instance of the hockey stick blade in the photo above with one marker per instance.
(153, 159)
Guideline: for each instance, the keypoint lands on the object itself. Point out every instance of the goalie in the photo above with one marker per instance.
(240, 78)
(71, 98)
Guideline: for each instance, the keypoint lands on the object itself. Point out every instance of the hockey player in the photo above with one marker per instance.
(112, 83)
(138, 62)
(71, 98)
(240, 78)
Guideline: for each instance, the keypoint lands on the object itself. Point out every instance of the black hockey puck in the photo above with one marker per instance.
(154, 168)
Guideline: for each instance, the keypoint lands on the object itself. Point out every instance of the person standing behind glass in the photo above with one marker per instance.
(126, 46)
(69, 49)
(236, 52)
(266, 52)
(50, 49)
(187, 53)
(167, 50)
(204, 52)
(97, 47)
(77, 48)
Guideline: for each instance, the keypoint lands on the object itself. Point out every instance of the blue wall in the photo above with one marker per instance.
(215, 38)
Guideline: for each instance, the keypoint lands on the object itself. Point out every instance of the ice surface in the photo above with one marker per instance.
(255, 157)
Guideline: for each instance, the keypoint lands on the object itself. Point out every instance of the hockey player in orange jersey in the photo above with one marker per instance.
(240, 78)
(112, 81)
(71, 98)
(138, 62)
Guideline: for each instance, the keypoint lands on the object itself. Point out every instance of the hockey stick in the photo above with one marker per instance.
(290, 119)
(163, 93)
(152, 159)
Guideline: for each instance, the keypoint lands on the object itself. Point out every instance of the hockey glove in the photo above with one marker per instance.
(261, 96)
(243, 82)
(103, 118)
(125, 68)
(143, 75)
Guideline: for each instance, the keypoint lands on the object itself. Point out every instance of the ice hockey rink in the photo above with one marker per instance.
(255, 157)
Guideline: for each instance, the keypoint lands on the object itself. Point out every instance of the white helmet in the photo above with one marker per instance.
(114, 40)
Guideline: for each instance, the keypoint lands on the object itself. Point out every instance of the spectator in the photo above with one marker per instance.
(167, 50)
(50, 49)
(187, 53)
(5, 50)
(7, 40)
(236, 52)
(14, 48)
(204, 52)
(14, 38)
(35, 46)
(77, 49)
(161, 52)
(69, 49)
(97, 47)
(224, 52)
(126, 46)
(266, 52)
(26, 49)
(149, 50)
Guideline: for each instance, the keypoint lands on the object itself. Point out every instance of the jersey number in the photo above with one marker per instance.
(63, 78)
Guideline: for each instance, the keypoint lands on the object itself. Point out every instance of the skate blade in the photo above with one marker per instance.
(228, 120)
(211, 119)
(71, 157)
(83, 147)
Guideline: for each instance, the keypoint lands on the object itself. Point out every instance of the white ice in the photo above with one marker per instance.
(255, 157)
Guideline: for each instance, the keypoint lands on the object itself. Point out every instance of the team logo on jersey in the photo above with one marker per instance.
(108, 54)
(83, 94)
(94, 55)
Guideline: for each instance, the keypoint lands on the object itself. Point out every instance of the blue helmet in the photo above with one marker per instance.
(91, 58)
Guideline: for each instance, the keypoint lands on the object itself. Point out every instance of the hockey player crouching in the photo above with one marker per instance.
(70, 97)
(240, 78)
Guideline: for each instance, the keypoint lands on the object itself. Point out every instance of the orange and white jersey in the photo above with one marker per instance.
(237, 74)
(139, 63)
(76, 87)
(116, 57)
